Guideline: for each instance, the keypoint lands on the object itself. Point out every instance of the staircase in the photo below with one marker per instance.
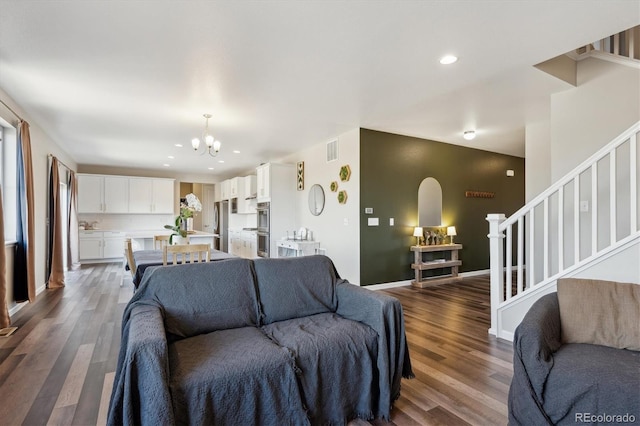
(624, 45)
(588, 217)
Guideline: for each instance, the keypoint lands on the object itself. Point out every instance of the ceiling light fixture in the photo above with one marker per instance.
(448, 60)
(212, 145)
(469, 135)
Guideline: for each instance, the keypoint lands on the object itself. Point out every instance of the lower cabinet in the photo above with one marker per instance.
(99, 245)
(243, 243)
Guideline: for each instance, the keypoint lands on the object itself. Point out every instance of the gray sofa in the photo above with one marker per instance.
(555, 382)
(268, 342)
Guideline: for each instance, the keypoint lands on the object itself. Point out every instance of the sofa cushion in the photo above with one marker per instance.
(592, 380)
(235, 376)
(203, 297)
(337, 361)
(295, 287)
(600, 312)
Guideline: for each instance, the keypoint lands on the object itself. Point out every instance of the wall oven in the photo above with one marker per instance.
(263, 244)
(263, 226)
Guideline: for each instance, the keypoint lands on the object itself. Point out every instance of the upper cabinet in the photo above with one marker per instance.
(102, 194)
(263, 183)
(151, 196)
(247, 194)
(225, 189)
(123, 194)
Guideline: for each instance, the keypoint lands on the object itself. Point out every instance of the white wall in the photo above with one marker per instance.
(605, 104)
(537, 158)
(342, 241)
(41, 146)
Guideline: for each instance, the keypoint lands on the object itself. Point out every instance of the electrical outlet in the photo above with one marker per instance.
(368, 210)
(345, 222)
(373, 221)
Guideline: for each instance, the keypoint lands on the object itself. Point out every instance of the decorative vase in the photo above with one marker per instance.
(189, 224)
(177, 239)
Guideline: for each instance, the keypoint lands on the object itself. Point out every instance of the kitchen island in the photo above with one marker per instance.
(107, 245)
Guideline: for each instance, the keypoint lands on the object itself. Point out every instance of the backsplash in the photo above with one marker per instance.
(128, 222)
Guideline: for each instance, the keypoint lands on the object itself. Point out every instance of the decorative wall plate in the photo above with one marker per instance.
(342, 197)
(345, 173)
(300, 176)
(333, 186)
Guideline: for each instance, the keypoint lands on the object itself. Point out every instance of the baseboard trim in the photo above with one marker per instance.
(405, 283)
(20, 305)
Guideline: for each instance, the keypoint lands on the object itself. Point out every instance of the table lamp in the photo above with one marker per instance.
(418, 233)
(451, 232)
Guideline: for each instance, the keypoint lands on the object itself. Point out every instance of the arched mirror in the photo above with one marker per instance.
(316, 200)
(430, 203)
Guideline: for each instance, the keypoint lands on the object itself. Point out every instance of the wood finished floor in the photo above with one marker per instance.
(58, 367)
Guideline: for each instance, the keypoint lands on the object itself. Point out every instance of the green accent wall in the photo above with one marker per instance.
(391, 170)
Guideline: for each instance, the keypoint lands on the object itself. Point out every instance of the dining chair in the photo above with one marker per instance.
(188, 253)
(128, 255)
(159, 241)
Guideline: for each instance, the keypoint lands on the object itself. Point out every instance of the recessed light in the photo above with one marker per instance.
(235, 151)
(166, 165)
(220, 161)
(469, 135)
(171, 157)
(179, 145)
(210, 168)
(448, 60)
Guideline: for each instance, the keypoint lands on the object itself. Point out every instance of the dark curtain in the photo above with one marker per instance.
(24, 285)
(55, 262)
(73, 258)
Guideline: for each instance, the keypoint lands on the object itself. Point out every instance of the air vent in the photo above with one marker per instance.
(332, 151)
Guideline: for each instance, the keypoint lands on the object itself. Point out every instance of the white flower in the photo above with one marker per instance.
(193, 203)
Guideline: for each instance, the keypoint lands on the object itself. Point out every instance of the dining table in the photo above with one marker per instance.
(148, 258)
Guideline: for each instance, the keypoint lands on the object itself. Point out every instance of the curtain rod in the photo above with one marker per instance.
(12, 111)
(67, 167)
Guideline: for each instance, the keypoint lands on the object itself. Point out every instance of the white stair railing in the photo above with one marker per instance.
(625, 43)
(591, 209)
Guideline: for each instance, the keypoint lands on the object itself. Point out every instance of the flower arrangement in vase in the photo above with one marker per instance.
(184, 221)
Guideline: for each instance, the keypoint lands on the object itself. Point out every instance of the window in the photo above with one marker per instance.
(8, 170)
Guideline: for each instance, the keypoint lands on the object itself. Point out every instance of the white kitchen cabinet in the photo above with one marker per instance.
(235, 242)
(116, 194)
(246, 199)
(90, 193)
(102, 194)
(100, 245)
(148, 195)
(249, 244)
(225, 185)
(234, 187)
(263, 183)
(123, 194)
(163, 196)
(90, 245)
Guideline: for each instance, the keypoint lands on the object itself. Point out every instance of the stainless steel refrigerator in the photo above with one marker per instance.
(221, 224)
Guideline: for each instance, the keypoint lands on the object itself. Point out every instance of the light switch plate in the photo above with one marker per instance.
(368, 210)
(373, 221)
(584, 206)
(391, 221)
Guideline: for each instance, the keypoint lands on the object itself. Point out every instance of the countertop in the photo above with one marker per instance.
(148, 233)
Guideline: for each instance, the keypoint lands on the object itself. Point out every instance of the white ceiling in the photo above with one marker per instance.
(118, 83)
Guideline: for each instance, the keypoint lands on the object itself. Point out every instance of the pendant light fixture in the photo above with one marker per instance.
(212, 146)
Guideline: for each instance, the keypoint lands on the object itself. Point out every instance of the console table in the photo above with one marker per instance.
(435, 257)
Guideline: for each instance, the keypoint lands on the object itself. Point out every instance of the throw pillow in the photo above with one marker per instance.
(600, 312)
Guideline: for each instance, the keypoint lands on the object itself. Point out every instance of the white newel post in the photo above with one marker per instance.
(496, 263)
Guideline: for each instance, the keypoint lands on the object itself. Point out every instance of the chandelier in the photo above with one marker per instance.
(212, 145)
